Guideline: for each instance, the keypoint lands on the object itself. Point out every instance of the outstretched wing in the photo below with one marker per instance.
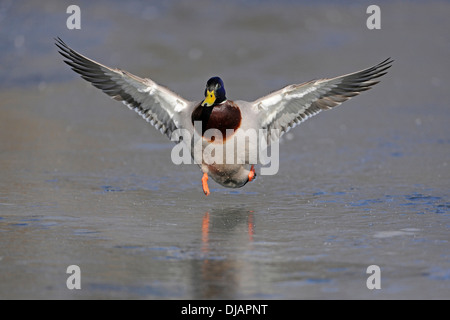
(285, 108)
(156, 104)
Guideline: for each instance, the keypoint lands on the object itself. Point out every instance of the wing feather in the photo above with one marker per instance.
(156, 104)
(293, 104)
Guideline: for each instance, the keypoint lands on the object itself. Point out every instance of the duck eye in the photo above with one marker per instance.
(218, 86)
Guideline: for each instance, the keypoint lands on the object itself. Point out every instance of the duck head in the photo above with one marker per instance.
(214, 92)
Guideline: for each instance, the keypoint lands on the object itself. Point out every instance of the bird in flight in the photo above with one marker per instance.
(276, 113)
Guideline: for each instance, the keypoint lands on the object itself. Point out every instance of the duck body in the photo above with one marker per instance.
(221, 126)
(220, 123)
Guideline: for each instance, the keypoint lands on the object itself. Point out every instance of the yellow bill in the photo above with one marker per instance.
(210, 99)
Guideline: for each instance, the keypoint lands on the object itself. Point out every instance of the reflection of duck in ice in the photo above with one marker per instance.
(206, 224)
(226, 240)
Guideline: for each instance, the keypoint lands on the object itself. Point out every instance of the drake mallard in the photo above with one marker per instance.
(278, 112)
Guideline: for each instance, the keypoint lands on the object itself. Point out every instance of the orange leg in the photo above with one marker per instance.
(251, 174)
(205, 184)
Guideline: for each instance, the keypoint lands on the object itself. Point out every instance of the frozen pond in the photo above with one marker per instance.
(86, 182)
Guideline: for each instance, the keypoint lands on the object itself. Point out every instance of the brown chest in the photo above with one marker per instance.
(221, 117)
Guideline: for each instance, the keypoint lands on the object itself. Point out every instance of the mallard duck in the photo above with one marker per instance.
(277, 112)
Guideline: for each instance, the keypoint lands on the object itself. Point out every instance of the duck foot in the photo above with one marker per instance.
(205, 184)
(251, 174)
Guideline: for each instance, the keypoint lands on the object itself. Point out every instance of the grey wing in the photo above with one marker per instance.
(286, 108)
(156, 104)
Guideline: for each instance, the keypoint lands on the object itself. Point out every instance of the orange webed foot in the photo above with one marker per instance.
(251, 174)
(205, 184)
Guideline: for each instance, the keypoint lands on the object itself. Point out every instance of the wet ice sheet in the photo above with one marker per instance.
(230, 251)
(85, 181)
